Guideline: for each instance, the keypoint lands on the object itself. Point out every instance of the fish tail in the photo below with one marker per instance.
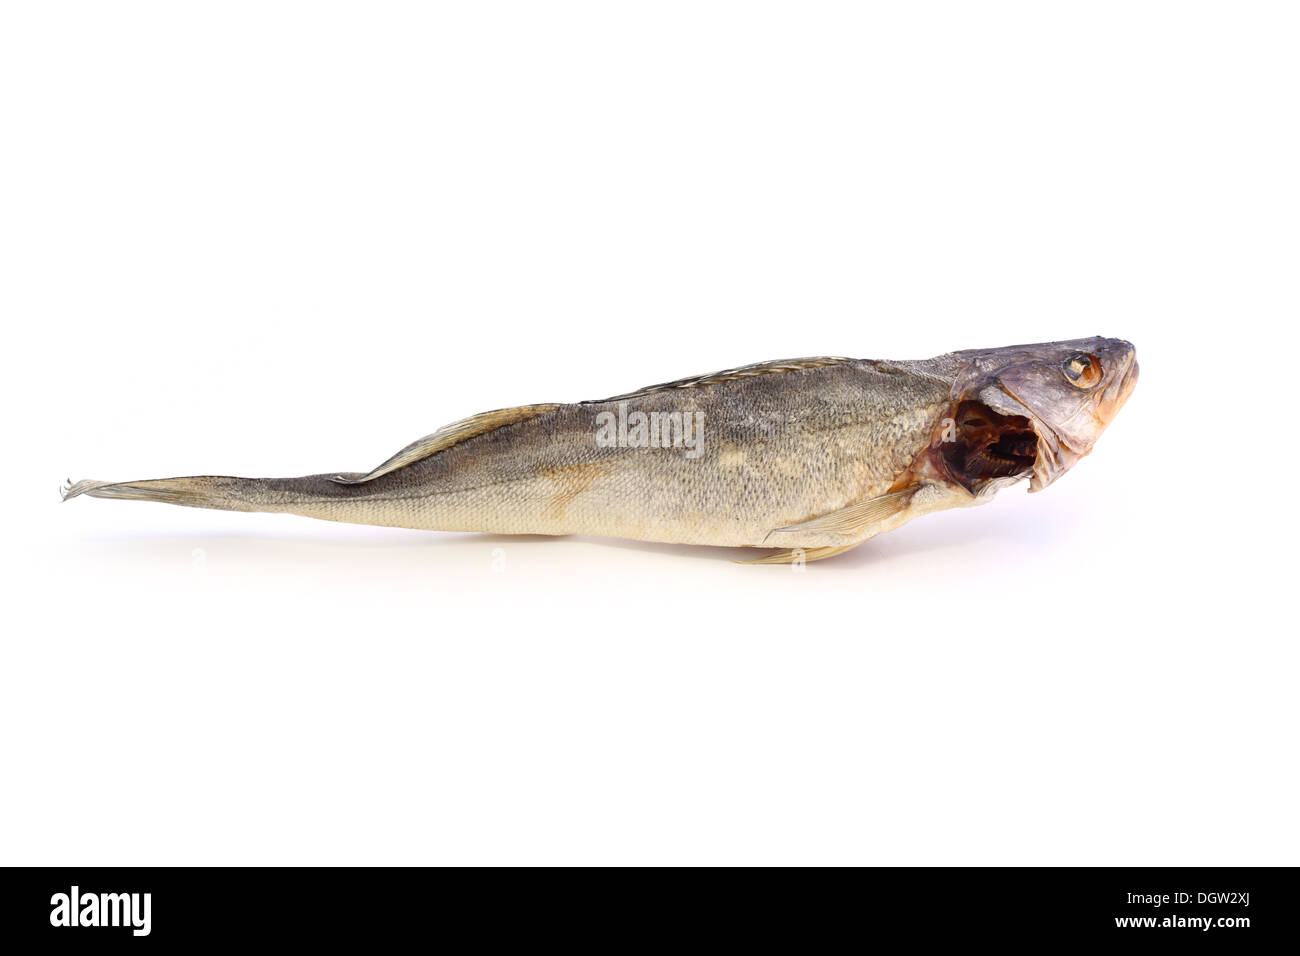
(197, 491)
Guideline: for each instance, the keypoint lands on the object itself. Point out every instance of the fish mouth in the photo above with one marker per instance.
(1114, 395)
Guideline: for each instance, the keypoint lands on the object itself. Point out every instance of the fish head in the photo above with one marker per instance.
(1069, 392)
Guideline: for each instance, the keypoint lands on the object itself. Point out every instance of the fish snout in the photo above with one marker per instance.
(1119, 363)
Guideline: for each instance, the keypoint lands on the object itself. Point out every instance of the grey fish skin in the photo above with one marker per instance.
(813, 454)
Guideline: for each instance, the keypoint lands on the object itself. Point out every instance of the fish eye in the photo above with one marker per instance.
(1083, 371)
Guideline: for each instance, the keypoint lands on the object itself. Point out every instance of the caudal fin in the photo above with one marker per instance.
(199, 491)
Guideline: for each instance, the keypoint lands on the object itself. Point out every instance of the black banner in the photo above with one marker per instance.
(138, 907)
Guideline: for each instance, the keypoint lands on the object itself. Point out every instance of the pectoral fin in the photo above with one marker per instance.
(854, 519)
(851, 522)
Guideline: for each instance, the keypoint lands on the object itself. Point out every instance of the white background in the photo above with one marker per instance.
(278, 239)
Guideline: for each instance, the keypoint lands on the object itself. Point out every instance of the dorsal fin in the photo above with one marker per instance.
(730, 374)
(449, 435)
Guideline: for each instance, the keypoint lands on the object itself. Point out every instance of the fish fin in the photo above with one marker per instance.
(853, 519)
(71, 489)
(850, 522)
(196, 491)
(792, 555)
(730, 374)
(179, 491)
(449, 435)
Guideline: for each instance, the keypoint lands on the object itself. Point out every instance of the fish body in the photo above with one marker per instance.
(812, 456)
